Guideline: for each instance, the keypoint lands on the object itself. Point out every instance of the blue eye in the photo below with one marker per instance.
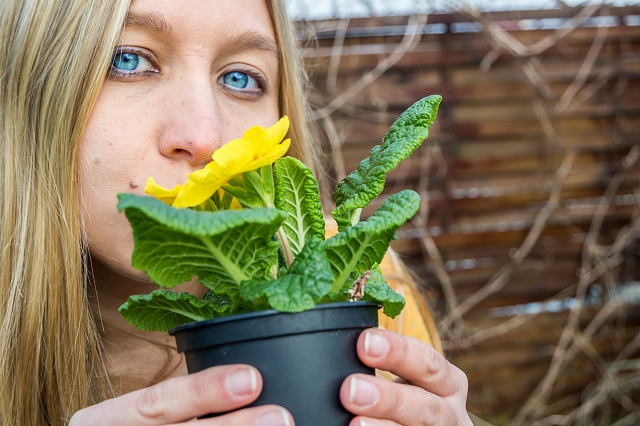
(125, 61)
(128, 63)
(240, 80)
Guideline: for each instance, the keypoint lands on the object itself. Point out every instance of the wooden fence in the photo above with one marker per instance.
(528, 242)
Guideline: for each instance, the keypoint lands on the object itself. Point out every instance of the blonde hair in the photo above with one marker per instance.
(294, 88)
(53, 60)
(53, 56)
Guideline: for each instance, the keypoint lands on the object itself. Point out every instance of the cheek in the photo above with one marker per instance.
(235, 119)
(105, 171)
(107, 168)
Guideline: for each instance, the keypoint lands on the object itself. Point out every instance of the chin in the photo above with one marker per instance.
(111, 268)
(135, 275)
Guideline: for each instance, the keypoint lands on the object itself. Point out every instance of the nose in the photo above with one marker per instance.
(192, 130)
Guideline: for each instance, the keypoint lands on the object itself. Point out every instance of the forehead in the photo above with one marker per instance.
(215, 20)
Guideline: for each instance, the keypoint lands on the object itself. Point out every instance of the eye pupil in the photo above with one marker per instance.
(125, 61)
(237, 79)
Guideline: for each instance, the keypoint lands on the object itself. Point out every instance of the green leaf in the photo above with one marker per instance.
(378, 290)
(250, 190)
(364, 184)
(302, 287)
(235, 306)
(221, 248)
(163, 310)
(297, 196)
(216, 202)
(361, 246)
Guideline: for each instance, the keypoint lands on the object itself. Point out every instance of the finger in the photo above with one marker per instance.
(265, 415)
(368, 421)
(402, 404)
(413, 360)
(213, 390)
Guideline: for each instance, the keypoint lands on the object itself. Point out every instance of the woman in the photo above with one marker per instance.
(95, 97)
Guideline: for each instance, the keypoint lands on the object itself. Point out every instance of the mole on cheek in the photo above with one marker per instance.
(133, 185)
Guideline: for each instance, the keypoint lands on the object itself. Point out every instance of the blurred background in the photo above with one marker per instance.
(527, 245)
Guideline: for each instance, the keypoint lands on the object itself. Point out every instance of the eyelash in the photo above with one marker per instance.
(261, 90)
(116, 72)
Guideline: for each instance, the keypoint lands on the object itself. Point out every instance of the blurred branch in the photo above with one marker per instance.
(427, 157)
(503, 42)
(409, 41)
(501, 278)
(567, 348)
(336, 55)
(568, 97)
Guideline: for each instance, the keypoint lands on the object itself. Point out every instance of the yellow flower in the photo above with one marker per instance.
(258, 147)
(160, 192)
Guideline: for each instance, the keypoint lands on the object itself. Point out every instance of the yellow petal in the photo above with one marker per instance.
(205, 175)
(234, 149)
(271, 156)
(274, 134)
(243, 148)
(258, 147)
(192, 194)
(160, 192)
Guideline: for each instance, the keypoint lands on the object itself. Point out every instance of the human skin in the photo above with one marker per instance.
(188, 76)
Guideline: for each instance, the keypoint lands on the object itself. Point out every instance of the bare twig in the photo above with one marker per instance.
(590, 245)
(336, 55)
(505, 42)
(428, 245)
(566, 348)
(410, 39)
(501, 278)
(569, 95)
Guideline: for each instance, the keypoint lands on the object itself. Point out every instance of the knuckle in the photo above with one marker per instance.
(200, 387)
(433, 364)
(400, 404)
(402, 350)
(432, 413)
(150, 404)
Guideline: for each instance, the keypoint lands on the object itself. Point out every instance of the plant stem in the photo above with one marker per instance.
(273, 271)
(286, 248)
(355, 216)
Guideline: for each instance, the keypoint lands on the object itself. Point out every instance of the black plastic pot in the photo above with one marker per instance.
(303, 357)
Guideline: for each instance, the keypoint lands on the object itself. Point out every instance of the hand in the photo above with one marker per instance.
(432, 391)
(182, 399)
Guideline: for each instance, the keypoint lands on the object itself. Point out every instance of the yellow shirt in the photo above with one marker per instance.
(415, 320)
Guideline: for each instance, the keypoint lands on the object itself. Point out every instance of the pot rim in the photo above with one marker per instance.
(266, 313)
(270, 324)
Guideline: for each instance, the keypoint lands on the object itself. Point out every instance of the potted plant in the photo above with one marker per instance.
(279, 296)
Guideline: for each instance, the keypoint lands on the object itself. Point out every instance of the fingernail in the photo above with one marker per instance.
(363, 393)
(242, 382)
(275, 417)
(375, 345)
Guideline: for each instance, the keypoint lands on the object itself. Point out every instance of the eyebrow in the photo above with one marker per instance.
(151, 20)
(253, 40)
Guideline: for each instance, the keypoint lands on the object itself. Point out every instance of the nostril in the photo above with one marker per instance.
(193, 141)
